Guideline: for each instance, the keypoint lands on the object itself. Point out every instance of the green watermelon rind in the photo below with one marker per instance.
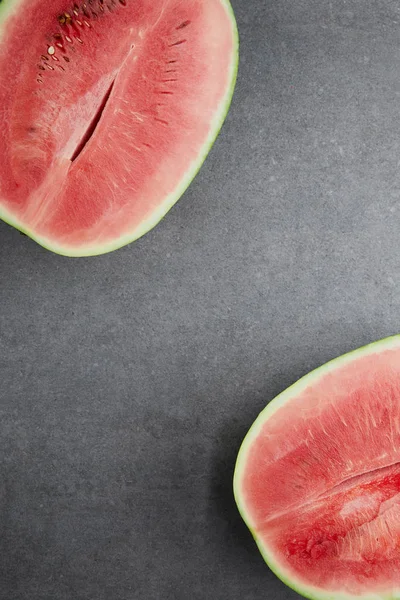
(311, 592)
(170, 201)
(5, 7)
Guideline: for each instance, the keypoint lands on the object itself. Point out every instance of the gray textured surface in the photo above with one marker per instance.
(128, 381)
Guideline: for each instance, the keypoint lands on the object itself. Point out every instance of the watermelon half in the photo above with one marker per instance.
(107, 110)
(317, 478)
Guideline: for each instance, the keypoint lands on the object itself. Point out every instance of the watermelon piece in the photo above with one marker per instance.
(317, 478)
(107, 110)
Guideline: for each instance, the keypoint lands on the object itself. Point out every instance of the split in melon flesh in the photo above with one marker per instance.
(317, 478)
(107, 110)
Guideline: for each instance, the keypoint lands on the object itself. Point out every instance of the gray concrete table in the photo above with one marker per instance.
(128, 381)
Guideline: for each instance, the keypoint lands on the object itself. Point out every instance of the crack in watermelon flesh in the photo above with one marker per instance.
(318, 478)
(93, 124)
(108, 108)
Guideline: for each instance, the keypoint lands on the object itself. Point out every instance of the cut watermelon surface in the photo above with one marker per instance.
(317, 478)
(107, 111)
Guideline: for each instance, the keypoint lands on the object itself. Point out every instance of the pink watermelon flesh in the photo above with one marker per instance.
(318, 478)
(108, 108)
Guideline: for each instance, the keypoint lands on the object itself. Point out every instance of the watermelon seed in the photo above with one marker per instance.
(184, 24)
(68, 39)
(61, 68)
(167, 80)
(177, 43)
(43, 57)
(87, 24)
(161, 121)
(54, 58)
(41, 67)
(137, 116)
(123, 2)
(65, 19)
(171, 61)
(50, 50)
(79, 40)
(66, 58)
(50, 67)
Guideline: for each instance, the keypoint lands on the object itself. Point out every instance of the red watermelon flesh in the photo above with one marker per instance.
(107, 110)
(318, 478)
